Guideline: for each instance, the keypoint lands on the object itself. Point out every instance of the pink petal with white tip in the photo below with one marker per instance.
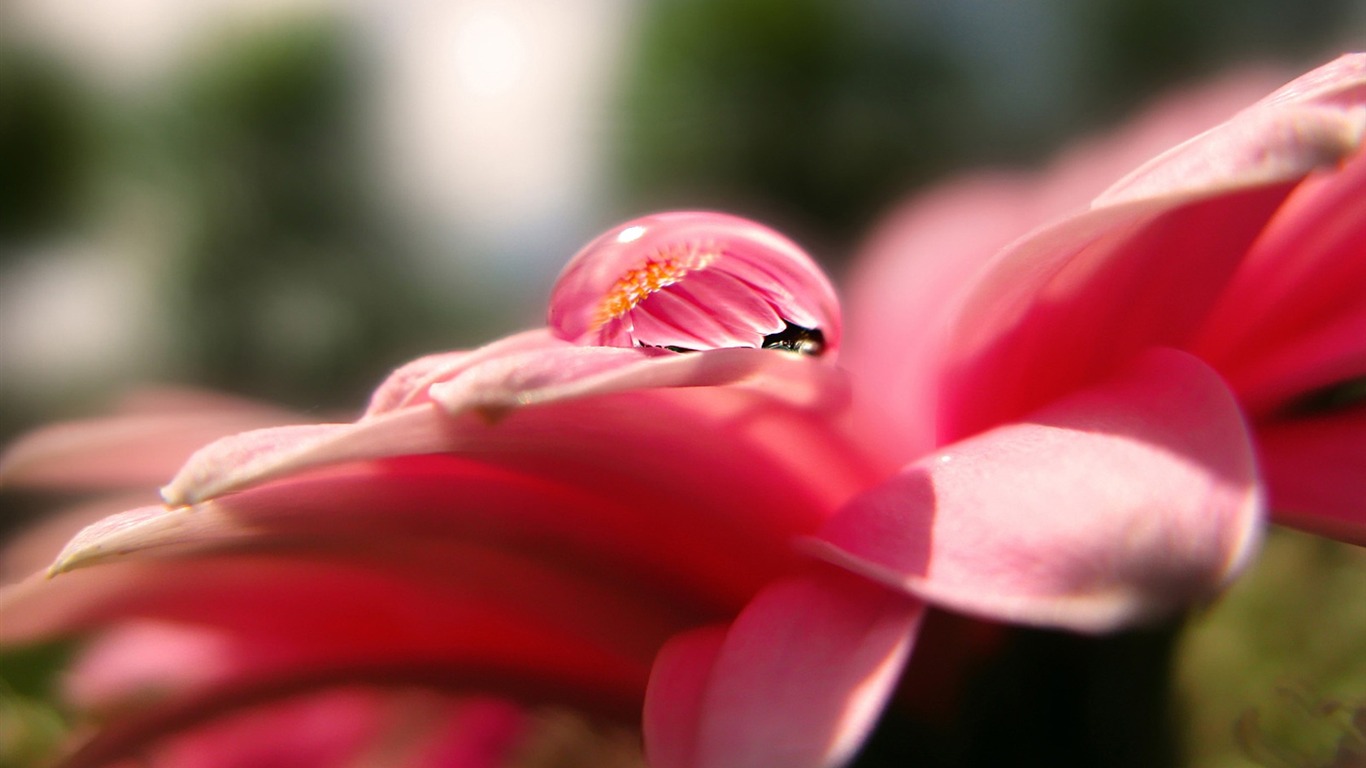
(798, 680)
(489, 389)
(1115, 504)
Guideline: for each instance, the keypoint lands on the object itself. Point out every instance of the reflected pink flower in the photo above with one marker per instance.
(625, 507)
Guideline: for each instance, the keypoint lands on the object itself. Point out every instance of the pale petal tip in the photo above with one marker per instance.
(76, 554)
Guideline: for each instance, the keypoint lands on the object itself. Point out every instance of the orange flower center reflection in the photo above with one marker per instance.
(667, 266)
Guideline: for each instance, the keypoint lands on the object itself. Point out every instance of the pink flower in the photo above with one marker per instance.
(1088, 400)
(629, 503)
(537, 519)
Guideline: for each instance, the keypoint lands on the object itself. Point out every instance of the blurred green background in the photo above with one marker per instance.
(286, 199)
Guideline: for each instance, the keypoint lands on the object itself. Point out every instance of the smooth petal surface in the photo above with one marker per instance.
(548, 376)
(1144, 266)
(679, 681)
(1114, 504)
(145, 660)
(143, 442)
(464, 612)
(462, 407)
(1316, 473)
(1294, 316)
(799, 679)
(909, 276)
(920, 262)
(711, 558)
(694, 280)
(408, 385)
(1311, 122)
(1072, 301)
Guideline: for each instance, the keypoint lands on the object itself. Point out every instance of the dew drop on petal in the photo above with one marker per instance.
(691, 280)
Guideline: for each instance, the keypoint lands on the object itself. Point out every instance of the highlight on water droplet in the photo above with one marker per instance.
(695, 280)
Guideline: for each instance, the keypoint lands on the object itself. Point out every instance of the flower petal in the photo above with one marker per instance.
(498, 386)
(376, 716)
(1114, 504)
(548, 376)
(462, 608)
(138, 446)
(1067, 304)
(1312, 122)
(799, 679)
(709, 557)
(1291, 319)
(256, 456)
(408, 384)
(679, 680)
(910, 275)
(1316, 471)
(1145, 265)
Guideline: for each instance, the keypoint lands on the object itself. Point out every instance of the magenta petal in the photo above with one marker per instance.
(137, 447)
(747, 312)
(1070, 302)
(679, 680)
(491, 388)
(1316, 471)
(1114, 504)
(1259, 147)
(408, 384)
(1312, 122)
(1145, 265)
(712, 559)
(1292, 317)
(798, 681)
(576, 372)
(910, 275)
(253, 457)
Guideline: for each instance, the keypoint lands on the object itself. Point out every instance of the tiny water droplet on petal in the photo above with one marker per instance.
(690, 281)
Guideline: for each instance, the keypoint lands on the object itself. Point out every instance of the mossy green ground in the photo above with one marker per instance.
(1274, 674)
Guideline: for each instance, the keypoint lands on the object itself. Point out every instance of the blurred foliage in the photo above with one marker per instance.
(813, 110)
(817, 114)
(286, 285)
(31, 725)
(1274, 674)
(45, 147)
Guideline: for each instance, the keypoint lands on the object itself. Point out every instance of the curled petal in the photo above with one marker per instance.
(798, 680)
(1146, 264)
(1312, 122)
(1261, 146)
(548, 376)
(1293, 318)
(693, 280)
(409, 384)
(138, 446)
(1118, 503)
(460, 408)
(711, 558)
(1070, 302)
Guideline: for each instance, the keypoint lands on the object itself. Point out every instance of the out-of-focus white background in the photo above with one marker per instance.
(287, 197)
